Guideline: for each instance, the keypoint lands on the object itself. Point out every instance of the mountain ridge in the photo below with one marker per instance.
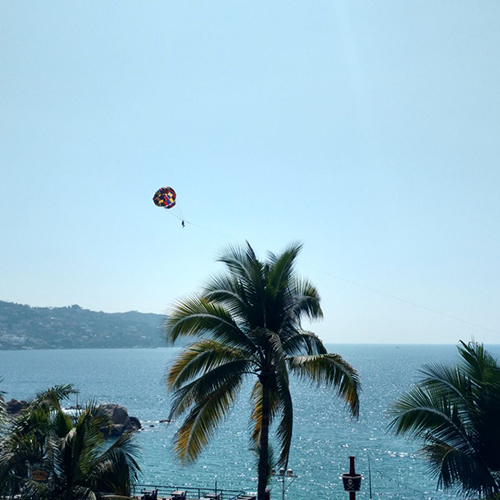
(26, 327)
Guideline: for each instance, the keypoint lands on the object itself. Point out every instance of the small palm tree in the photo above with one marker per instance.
(25, 438)
(248, 323)
(454, 412)
(70, 450)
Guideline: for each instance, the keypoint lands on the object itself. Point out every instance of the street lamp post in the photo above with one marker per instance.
(282, 476)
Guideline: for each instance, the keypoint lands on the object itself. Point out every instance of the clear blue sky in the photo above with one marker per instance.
(370, 131)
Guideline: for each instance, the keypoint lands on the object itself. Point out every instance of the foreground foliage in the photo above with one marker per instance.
(69, 450)
(247, 322)
(454, 411)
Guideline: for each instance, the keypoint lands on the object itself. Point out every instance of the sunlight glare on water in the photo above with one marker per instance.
(324, 433)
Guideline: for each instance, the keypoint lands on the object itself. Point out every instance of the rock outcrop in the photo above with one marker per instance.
(14, 406)
(119, 420)
(116, 416)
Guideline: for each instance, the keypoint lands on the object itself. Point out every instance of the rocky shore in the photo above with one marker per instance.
(117, 417)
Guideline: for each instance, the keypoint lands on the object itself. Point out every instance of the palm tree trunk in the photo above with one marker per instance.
(264, 445)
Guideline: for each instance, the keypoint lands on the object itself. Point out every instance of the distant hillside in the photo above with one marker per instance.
(25, 327)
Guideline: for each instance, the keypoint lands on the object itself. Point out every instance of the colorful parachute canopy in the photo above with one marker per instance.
(165, 197)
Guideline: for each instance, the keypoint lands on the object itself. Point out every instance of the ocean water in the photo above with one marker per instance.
(324, 433)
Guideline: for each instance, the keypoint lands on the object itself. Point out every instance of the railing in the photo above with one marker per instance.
(192, 492)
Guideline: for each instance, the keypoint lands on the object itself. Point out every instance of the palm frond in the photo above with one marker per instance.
(250, 277)
(285, 427)
(418, 412)
(306, 300)
(61, 424)
(117, 466)
(333, 371)
(229, 292)
(195, 392)
(201, 318)
(445, 379)
(199, 358)
(479, 365)
(452, 466)
(303, 342)
(282, 268)
(240, 263)
(203, 418)
(52, 397)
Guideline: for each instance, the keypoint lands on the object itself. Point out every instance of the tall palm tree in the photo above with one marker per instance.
(454, 412)
(247, 322)
(71, 450)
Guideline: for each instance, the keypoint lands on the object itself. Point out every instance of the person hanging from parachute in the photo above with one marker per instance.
(166, 197)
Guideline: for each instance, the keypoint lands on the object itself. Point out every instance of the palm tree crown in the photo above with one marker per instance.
(248, 322)
(454, 412)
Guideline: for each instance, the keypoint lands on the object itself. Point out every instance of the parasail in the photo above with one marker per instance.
(165, 197)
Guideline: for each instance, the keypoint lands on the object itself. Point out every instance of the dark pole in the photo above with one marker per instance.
(352, 481)
(352, 472)
(370, 476)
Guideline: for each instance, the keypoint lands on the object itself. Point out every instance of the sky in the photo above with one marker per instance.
(368, 131)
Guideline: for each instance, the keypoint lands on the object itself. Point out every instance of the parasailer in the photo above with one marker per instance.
(165, 197)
